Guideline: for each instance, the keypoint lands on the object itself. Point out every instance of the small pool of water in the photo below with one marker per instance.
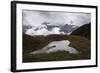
(56, 46)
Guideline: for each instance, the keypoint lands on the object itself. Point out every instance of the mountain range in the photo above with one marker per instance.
(79, 38)
(47, 29)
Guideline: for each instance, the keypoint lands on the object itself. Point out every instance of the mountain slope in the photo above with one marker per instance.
(31, 44)
(68, 28)
(84, 31)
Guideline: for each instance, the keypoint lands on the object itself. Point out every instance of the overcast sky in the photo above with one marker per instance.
(36, 18)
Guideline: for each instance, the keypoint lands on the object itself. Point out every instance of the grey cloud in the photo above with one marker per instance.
(35, 18)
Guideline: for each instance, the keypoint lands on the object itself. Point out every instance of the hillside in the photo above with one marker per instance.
(34, 43)
(84, 31)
